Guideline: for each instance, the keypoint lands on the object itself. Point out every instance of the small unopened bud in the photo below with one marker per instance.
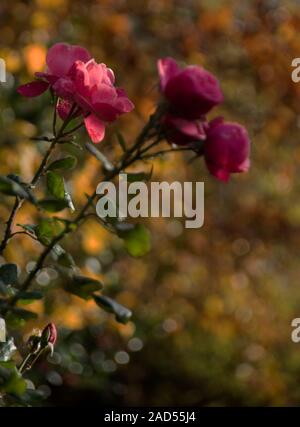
(49, 336)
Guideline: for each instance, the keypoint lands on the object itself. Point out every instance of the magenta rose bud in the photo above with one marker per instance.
(226, 149)
(49, 334)
(191, 91)
(181, 131)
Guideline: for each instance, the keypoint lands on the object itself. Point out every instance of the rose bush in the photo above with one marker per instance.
(85, 91)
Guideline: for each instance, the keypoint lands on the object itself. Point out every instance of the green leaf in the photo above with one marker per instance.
(66, 163)
(30, 228)
(68, 199)
(53, 205)
(3, 289)
(62, 257)
(17, 317)
(7, 349)
(48, 229)
(30, 296)
(121, 141)
(82, 286)
(66, 260)
(55, 185)
(11, 381)
(9, 274)
(121, 313)
(2, 331)
(10, 187)
(10, 364)
(23, 314)
(137, 239)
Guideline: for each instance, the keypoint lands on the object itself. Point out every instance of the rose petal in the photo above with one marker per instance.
(215, 122)
(167, 68)
(81, 79)
(106, 112)
(123, 103)
(95, 128)
(244, 166)
(219, 173)
(193, 92)
(191, 128)
(46, 76)
(110, 74)
(62, 56)
(33, 89)
(63, 108)
(64, 88)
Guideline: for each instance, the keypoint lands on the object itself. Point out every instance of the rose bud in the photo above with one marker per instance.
(226, 149)
(49, 336)
(191, 91)
(181, 131)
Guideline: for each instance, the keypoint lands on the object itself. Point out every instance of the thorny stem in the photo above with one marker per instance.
(42, 166)
(130, 156)
(23, 365)
(19, 201)
(33, 272)
(54, 118)
(29, 361)
(8, 233)
(74, 129)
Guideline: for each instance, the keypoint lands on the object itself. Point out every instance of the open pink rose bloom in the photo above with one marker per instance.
(191, 93)
(76, 78)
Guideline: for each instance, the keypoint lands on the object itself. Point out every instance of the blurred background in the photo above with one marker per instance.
(212, 306)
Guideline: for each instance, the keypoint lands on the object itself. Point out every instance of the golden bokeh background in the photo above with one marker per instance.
(212, 306)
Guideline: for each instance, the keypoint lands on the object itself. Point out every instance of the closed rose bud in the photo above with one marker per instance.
(226, 149)
(49, 335)
(191, 91)
(181, 131)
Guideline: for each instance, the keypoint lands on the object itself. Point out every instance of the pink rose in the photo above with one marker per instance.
(75, 77)
(60, 59)
(96, 94)
(181, 131)
(226, 149)
(191, 91)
